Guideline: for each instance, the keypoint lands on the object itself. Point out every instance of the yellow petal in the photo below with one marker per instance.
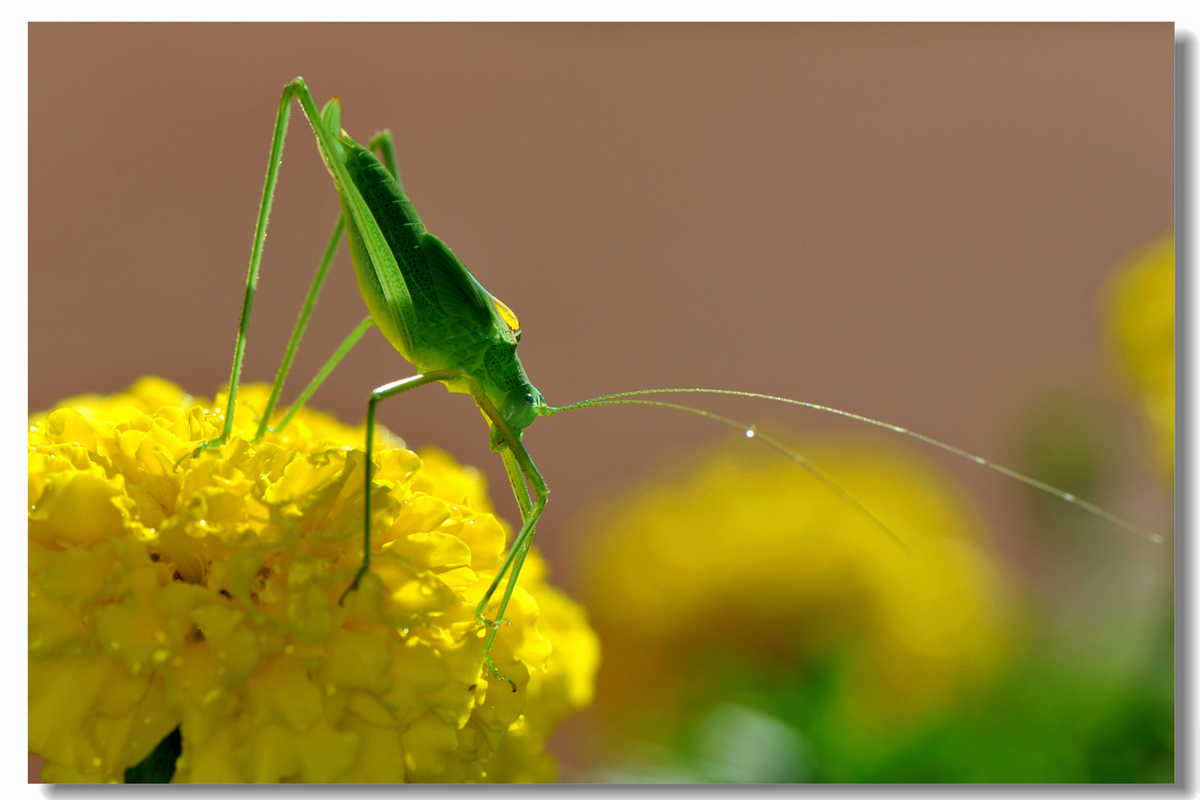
(77, 508)
(427, 743)
(281, 689)
(379, 757)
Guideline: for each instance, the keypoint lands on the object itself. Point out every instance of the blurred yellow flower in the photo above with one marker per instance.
(206, 597)
(750, 561)
(1140, 316)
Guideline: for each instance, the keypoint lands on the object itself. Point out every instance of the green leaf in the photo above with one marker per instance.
(159, 766)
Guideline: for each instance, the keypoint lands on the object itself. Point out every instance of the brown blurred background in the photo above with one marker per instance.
(912, 222)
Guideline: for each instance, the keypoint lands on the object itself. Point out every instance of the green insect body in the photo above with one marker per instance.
(425, 302)
(462, 328)
(438, 316)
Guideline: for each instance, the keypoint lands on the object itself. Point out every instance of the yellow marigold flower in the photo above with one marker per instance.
(1141, 331)
(751, 561)
(205, 597)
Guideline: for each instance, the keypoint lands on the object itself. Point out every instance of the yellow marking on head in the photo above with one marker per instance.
(507, 314)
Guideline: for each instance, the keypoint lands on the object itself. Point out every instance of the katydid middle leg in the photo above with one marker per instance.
(322, 374)
(382, 393)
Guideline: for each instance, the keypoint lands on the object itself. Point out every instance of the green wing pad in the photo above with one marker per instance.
(457, 293)
(456, 313)
(383, 194)
(397, 219)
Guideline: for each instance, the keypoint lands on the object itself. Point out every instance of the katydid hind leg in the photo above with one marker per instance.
(260, 235)
(329, 116)
(382, 144)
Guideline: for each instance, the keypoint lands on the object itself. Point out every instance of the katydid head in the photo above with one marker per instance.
(519, 408)
(504, 383)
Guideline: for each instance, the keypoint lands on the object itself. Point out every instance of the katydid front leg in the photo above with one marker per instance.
(516, 556)
(519, 467)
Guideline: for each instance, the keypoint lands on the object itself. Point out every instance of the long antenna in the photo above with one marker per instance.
(618, 399)
(751, 433)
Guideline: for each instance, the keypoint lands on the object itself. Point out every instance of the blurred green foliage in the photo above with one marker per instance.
(1048, 721)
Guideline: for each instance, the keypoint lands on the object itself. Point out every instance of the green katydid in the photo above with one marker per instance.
(438, 316)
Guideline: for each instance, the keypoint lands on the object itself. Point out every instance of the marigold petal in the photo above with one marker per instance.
(77, 508)
(79, 575)
(484, 536)
(437, 552)
(427, 743)
(210, 761)
(281, 689)
(417, 671)
(357, 661)
(379, 757)
(54, 629)
(126, 628)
